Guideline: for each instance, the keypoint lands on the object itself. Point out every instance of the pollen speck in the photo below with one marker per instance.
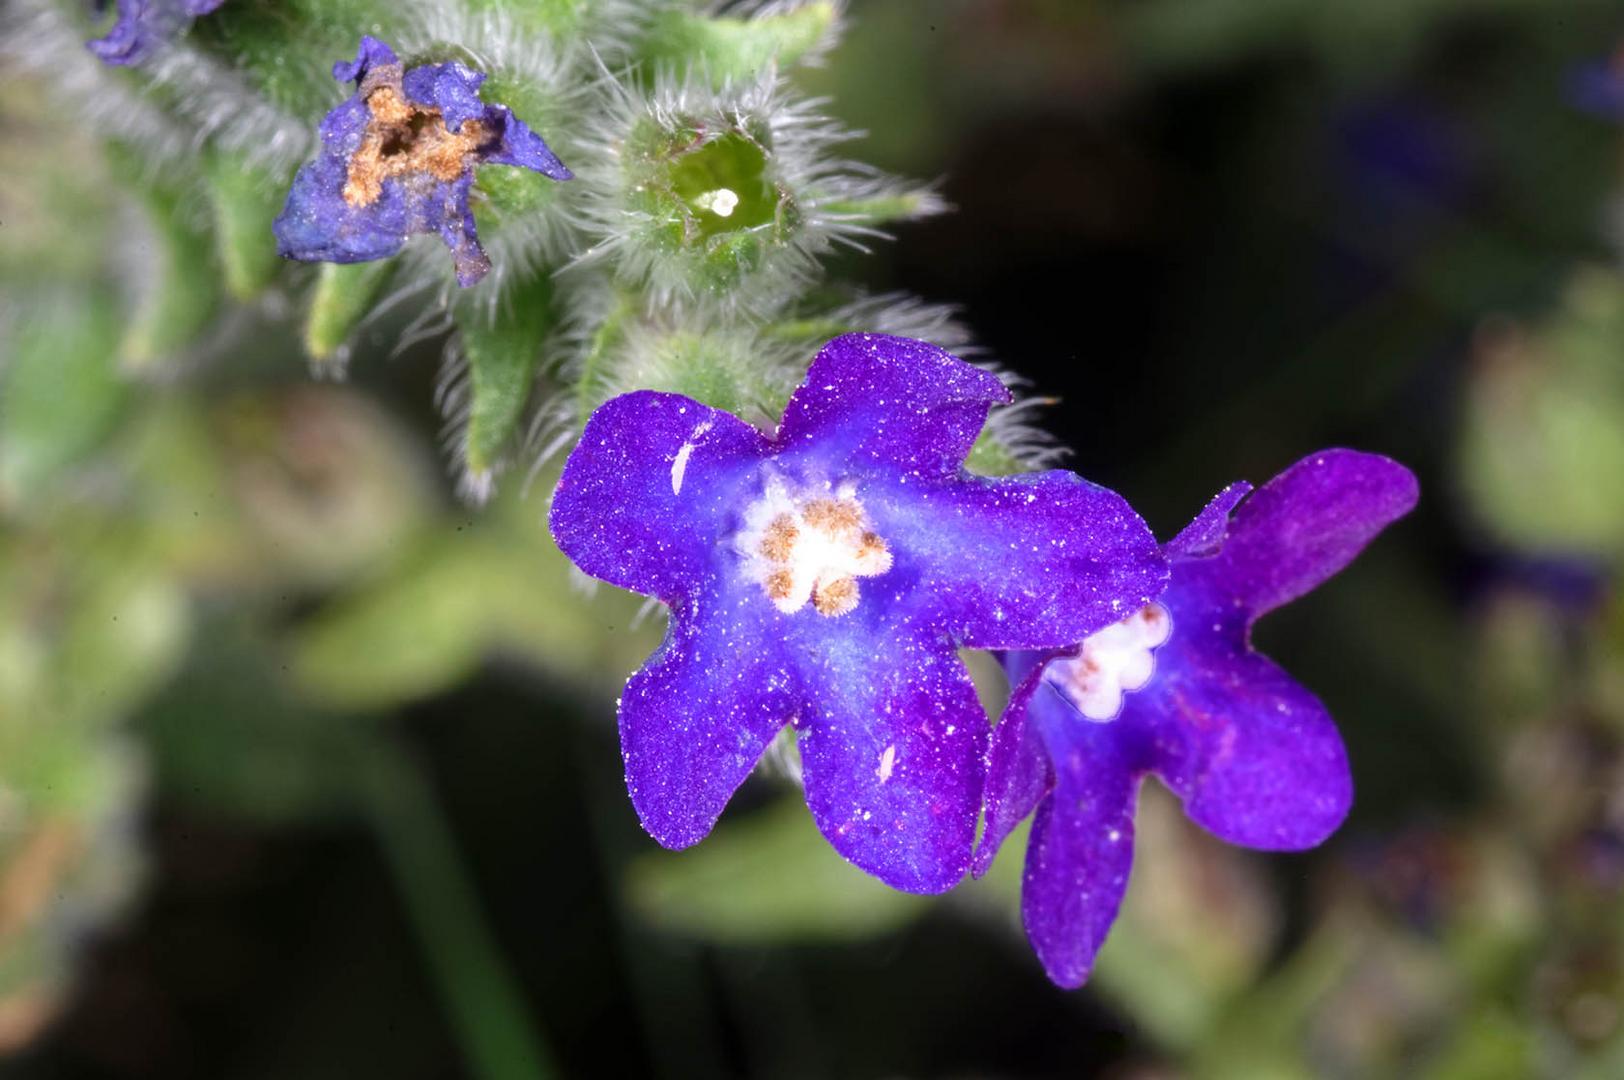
(779, 584)
(836, 597)
(779, 541)
(835, 518)
(404, 138)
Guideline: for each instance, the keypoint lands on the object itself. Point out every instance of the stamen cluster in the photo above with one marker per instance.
(811, 550)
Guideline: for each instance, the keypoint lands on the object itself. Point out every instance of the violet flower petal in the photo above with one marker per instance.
(457, 229)
(891, 751)
(697, 717)
(1018, 772)
(1021, 562)
(889, 405)
(518, 145)
(651, 491)
(1204, 536)
(370, 54)
(1081, 849)
(1308, 523)
(454, 90)
(143, 25)
(1255, 756)
(451, 88)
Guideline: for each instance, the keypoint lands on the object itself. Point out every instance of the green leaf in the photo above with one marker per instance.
(229, 734)
(495, 586)
(89, 628)
(729, 48)
(57, 203)
(60, 393)
(504, 351)
(417, 633)
(1543, 441)
(343, 295)
(246, 201)
(764, 878)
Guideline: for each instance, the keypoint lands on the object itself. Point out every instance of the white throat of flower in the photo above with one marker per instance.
(1111, 663)
(811, 548)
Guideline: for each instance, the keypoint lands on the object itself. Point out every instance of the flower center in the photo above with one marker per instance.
(1111, 663)
(810, 548)
(402, 139)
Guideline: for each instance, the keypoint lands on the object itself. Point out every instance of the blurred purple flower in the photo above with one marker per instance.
(143, 25)
(398, 158)
(1598, 87)
(1254, 755)
(825, 577)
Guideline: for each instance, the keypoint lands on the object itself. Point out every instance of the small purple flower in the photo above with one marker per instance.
(398, 158)
(824, 577)
(1254, 755)
(143, 25)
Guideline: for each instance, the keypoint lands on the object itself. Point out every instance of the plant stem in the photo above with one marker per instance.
(478, 991)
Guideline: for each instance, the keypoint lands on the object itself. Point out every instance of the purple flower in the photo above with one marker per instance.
(824, 577)
(1254, 756)
(398, 158)
(143, 25)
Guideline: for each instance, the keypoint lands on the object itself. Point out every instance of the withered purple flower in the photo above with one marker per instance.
(1255, 756)
(825, 577)
(143, 25)
(398, 158)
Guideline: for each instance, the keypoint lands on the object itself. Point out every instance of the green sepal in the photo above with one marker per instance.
(245, 201)
(592, 378)
(559, 19)
(504, 350)
(61, 391)
(183, 293)
(884, 208)
(729, 48)
(341, 299)
(287, 49)
(990, 457)
(716, 211)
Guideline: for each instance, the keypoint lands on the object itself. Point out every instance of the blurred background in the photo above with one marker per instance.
(331, 786)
